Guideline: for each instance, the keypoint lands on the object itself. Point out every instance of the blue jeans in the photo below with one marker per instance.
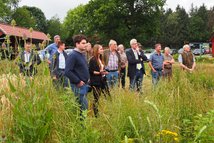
(80, 94)
(156, 76)
(136, 81)
(112, 78)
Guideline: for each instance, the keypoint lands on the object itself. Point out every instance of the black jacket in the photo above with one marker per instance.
(95, 80)
(29, 68)
(55, 71)
(132, 62)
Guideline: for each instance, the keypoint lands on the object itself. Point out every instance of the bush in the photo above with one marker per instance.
(205, 60)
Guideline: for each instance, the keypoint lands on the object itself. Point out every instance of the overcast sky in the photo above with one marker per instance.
(60, 7)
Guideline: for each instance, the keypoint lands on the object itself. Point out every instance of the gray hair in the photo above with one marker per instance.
(120, 46)
(186, 46)
(56, 36)
(133, 41)
(167, 49)
(112, 42)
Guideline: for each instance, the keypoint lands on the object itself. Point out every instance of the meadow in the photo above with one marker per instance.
(182, 110)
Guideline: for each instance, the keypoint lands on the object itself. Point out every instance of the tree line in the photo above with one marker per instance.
(122, 20)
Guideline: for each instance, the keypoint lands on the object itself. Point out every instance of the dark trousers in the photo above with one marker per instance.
(61, 81)
(96, 92)
(123, 76)
(136, 81)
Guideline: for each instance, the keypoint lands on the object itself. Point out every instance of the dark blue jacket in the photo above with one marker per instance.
(55, 58)
(132, 62)
(76, 68)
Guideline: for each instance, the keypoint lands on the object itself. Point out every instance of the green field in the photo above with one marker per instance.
(182, 110)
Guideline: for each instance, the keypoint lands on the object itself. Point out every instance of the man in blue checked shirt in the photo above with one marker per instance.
(51, 49)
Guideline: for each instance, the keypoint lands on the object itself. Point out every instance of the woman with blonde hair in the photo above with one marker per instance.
(97, 75)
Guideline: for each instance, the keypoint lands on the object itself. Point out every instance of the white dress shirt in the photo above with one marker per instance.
(139, 66)
(61, 60)
(27, 56)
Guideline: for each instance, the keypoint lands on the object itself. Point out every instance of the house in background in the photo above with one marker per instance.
(17, 36)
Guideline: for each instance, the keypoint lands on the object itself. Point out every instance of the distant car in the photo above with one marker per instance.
(173, 51)
(180, 51)
(208, 51)
(68, 51)
(148, 52)
(198, 51)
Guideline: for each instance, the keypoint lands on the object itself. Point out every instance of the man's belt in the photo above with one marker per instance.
(111, 70)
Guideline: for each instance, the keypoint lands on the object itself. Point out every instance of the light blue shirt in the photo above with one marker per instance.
(156, 60)
(51, 49)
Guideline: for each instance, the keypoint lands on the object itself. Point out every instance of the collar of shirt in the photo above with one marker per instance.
(156, 53)
(76, 49)
(60, 51)
(26, 52)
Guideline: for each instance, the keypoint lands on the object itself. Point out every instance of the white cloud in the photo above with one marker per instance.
(53, 7)
(61, 7)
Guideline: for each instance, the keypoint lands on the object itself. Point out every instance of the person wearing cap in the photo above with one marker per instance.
(187, 59)
(51, 49)
(156, 64)
(58, 71)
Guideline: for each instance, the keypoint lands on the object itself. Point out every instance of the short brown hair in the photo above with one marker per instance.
(79, 38)
(60, 43)
(158, 44)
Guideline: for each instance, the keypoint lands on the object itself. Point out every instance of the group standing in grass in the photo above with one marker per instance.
(101, 70)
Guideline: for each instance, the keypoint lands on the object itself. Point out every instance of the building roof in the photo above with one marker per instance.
(22, 32)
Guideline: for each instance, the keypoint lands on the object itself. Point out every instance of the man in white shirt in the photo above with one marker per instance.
(58, 70)
(28, 60)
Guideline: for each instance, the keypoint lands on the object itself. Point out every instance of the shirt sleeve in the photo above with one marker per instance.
(150, 57)
(180, 59)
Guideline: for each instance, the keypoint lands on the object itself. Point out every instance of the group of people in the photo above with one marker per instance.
(102, 69)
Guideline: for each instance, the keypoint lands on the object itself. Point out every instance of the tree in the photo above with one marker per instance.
(198, 24)
(54, 26)
(125, 19)
(174, 27)
(6, 9)
(211, 20)
(75, 23)
(182, 27)
(121, 20)
(23, 18)
(39, 16)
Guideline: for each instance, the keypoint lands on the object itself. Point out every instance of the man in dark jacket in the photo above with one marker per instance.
(28, 60)
(136, 68)
(58, 70)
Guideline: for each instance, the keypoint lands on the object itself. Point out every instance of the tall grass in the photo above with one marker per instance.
(177, 111)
